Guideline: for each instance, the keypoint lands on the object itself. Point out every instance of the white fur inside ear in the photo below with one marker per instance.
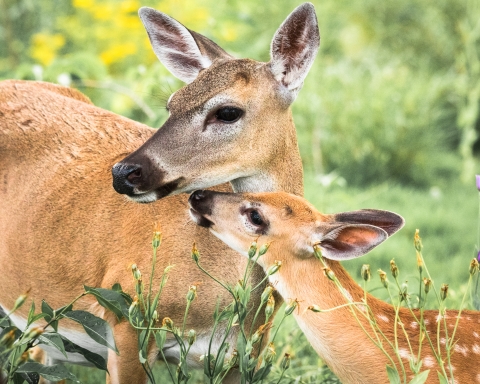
(173, 44)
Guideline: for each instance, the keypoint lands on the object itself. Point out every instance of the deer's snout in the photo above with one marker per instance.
(127, 177)
(201, 201)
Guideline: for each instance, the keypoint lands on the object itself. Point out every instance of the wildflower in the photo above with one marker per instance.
(329, 273)
(263, 249)
(267, 292)
(269, 307)
(427, 283)
(192, 336)
(139, 286)
(417, 241)
(157, 236)
(136, 272)
(35, 332)
(270, 353)
(314, 308)
(195, 253)
(473, 266)
(192, 293)
(477, 177)
(167, 323)
(252, 250)
(155, 315)
(383, 277)
(317, 251)
(8, 339)
(365, 272)
(24, 357)
(291, 307)
(443, 291)
(393, 268)
(133, 307)
(274, 268)
(20, 300)
(285, 362)
(234, 358)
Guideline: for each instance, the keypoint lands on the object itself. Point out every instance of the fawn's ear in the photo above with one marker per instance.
(185, 53)
(294, 48)
(352, 234)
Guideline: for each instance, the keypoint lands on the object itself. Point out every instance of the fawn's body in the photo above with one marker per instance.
(294, 226)
(62, 224)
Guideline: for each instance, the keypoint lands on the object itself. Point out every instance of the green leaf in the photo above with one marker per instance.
(31, 377)
(47, 310)
(31, 314)
(262, 373)
(442, 378)
(64, 309)
(393, 375)
(37, 317)
(111, 299)
(220, 359)
(160, 337)
(17, 379)
(92, 357)
(52, 373)
(54, 340)
(421, 378)
(97, 328)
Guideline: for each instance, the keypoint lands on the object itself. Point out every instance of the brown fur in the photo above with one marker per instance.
(62, 225)
(336, 335)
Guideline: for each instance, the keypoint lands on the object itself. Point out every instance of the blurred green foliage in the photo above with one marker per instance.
(393, 95)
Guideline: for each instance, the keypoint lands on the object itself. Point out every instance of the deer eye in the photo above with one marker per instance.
(255, 218)
(228, 114)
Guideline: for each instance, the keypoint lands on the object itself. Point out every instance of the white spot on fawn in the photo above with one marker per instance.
(478, 377)
(463, 350)
(404, 354)
(414, 324)
(428, 361)
(383, 318)
(476, 349)
(476, 335)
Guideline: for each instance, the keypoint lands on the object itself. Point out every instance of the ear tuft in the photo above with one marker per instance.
(294, 47)
(183, 52)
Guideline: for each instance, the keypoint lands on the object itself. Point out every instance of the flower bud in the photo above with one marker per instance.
(195, 253)
(136, 272)
(263, 249)
(192, 293)
(269, 308)
(155, 315)
(139, 287)
(426, 284)
(473, 267)
(365, 272)
(274, 268)
(192, 336)
(132, 310)
(329, 273)
(20, 300)
(314, 308)
(291, 307)
(167, 323)
(234, 358)
(157, 236)
(285, 362)
(270, 353)
(8, 339)
(35, 332)
(443, 291)
(383, 277)
(266, 293)
(317, 251)
(259, 332)
(23, 358)
(393, 268)
(252, 250)
(417, 241)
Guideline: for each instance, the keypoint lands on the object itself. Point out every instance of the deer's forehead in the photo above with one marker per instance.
(221, 76)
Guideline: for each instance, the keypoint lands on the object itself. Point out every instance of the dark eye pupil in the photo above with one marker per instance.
(256, 218)
(228, 114)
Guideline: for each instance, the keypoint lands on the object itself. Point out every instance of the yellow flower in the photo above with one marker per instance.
(45, 47)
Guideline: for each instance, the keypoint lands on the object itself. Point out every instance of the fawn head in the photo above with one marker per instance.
(291, 223)
(231, 120)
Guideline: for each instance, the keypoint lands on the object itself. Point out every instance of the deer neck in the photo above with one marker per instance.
(336, 335)
(284, 171)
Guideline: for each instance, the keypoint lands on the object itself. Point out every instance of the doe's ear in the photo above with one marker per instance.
(350, 241)
(294, 48)
(390, 222)
(185, 53)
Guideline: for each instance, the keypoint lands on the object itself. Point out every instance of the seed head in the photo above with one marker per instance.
(274, 268)
(192, 293)
(291, 307)
(167, 323)
(426, 284)
(443, 291)
(263, 249)
(266, 293)
(329, 273)
(195, 253)
(317, 251)
(365, 272)
(393, 268)
(252, 250)
(383, 277)
(192, 336)
(285, 362)
(314, 308)
(270, 353)
(269, 308)
(473, 266)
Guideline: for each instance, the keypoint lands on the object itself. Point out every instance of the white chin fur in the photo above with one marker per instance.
(148, 197)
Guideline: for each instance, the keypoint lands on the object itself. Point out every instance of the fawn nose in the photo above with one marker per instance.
(200, 201)
(126, 177)
(197, 195)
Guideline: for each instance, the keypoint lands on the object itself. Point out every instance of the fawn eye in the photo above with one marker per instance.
(255, 218)
(228, 114)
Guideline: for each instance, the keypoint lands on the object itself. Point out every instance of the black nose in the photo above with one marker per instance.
(197, 196)
(126, 177)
